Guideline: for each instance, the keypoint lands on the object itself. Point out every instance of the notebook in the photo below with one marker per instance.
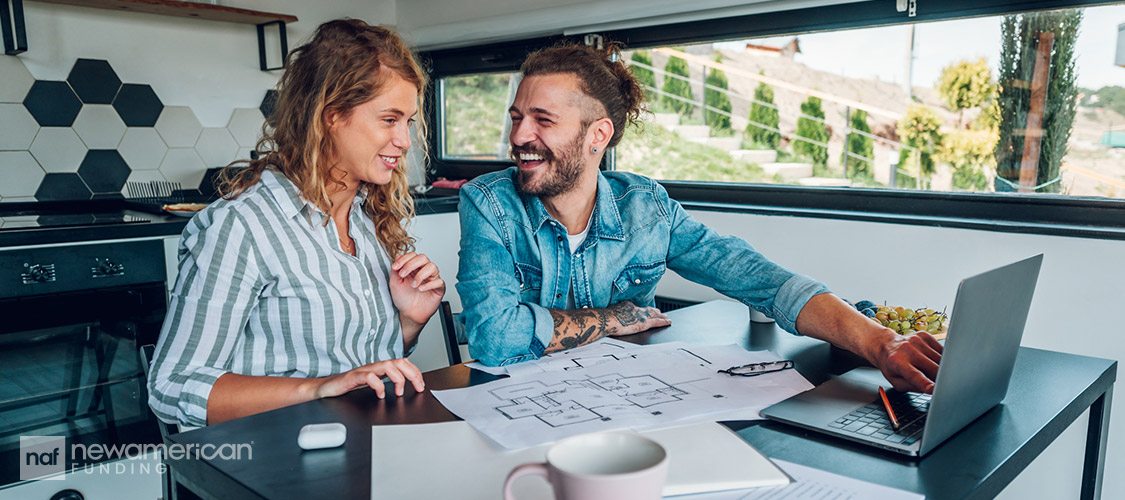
(453, 460)
(985, 329)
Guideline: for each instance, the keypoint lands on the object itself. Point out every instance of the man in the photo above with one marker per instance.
(556, 254)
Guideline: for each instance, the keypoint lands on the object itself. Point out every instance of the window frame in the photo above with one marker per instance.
(1091, 217)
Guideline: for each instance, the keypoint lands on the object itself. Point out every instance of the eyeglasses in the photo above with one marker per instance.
(754, 369)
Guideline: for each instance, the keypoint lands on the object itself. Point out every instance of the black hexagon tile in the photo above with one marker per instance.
(94, 81)
(138, 105)
(61, 187)
(53, 104)
(104, 171)
(269, 103)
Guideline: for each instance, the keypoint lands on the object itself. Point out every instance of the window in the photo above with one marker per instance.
(476, 123)
(1009, 102)
(1027, 102)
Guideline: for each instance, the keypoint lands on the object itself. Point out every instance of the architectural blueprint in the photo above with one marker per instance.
(605, 349)
(638, 387)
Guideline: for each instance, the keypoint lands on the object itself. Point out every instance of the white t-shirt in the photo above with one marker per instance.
(575, 241)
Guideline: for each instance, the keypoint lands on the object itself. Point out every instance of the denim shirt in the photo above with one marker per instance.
(515, 262)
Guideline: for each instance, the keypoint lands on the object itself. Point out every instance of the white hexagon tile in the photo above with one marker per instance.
(179, 127)
(15, 80)
(99, 126)
(216, 147)
(184, 166)
(21, 173)
(246, 126)
(58, 149)
(17, 127)
(142, 148)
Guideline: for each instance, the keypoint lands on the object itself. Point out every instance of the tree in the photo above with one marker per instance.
(811, 126)
(1112, 97)
(1020, 36)
(920, 129)
(674, 86)
(965, 84)
(764, 118)
(716, 99)
(860, 147)
(969, 152)
(642, 71)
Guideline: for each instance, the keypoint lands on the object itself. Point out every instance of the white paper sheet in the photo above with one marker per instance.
(606, 348)
(653, 386)
(813, 484)
(460, 463)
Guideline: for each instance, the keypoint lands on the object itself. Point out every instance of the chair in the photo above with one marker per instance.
(146, 353)
(454, 333)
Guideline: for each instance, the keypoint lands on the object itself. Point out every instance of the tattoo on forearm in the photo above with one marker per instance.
(578, 327)
(627, 314)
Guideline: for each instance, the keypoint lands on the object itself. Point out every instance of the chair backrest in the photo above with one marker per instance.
(453, 333)
(147, 351)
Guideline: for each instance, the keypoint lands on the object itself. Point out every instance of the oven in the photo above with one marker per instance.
(72, 317)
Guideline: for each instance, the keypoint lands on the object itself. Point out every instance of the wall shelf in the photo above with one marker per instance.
(160, 7)
(183, 9)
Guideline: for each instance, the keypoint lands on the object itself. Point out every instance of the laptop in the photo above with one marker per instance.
(985, 329)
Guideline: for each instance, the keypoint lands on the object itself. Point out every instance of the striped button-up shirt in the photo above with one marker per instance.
(264, 289)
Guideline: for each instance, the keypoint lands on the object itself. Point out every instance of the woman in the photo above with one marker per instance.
(301, 283)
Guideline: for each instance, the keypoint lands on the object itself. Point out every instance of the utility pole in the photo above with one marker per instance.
(908, 85)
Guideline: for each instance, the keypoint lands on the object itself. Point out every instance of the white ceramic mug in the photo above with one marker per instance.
(602, 466)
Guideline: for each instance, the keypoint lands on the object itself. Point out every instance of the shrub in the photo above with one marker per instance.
(644, 74)
(717, 100)
(764, 118)
(919, 129)
(860, 146)
(812, 127)
(677, 87)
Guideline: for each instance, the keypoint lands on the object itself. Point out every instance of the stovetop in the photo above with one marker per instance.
(71, 222)
(25, 219)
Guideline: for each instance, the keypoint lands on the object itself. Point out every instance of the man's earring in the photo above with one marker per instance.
(595, 150)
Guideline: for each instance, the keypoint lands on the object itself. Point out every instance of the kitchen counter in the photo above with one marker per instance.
(158, 225)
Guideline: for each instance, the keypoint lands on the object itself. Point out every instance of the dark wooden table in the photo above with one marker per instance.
(1049, 390)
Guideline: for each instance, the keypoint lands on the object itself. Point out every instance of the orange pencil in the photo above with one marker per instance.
(887, 406)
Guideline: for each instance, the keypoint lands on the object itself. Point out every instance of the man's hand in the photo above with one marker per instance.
(576, 327)
(910, 363)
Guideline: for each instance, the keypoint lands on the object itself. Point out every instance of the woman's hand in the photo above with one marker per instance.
(416, 287)
(398, 370)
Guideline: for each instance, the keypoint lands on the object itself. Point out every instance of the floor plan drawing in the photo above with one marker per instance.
(573, 401)
(640, 387)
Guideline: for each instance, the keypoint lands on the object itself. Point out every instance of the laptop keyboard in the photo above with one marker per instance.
(872, 420)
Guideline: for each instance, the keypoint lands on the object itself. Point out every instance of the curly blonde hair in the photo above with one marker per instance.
(347, 63)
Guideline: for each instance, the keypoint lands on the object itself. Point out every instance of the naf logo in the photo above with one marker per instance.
(42, 456)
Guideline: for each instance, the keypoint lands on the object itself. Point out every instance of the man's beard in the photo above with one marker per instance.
(563, 175)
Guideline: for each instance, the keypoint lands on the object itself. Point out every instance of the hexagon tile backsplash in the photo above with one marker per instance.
(85, 137)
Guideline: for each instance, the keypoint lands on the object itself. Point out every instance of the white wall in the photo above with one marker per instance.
(209, 66)
(438, 236)
(1079, 294)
